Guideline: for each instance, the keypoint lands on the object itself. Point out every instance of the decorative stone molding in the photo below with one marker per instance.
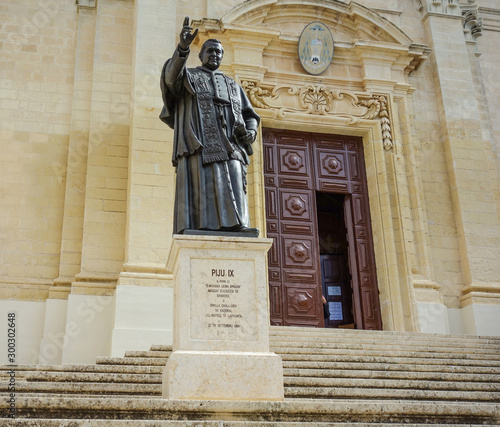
(320, 100)
(87, 4)
(151, 275)
(446, 7)
(480, 293)
(88, 284)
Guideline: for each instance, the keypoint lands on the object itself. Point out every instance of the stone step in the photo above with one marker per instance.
(352, 345)
(344, 365)
(291, 392)
(399, 346)
(309, 387)
(299, 411)
(23, 370)
(353, 348)
(294, 392)
(149, 353)
(388, 366)
(141, 384)
(495, 358)
(95, 377)
(395, 384)
(340, 367)
(291, 369)
(37, 395)
(389, 393)
(300, 333)
(129, 374)
(352, 359)
(145, 423)
(327, 355)
(321, 379)
(387, 360)
(161, 347)
(92, 388)
(136, 361)
(386, 374)
(375, 378)
(355, 342)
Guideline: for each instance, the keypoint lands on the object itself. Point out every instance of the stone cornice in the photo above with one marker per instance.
(491, 18)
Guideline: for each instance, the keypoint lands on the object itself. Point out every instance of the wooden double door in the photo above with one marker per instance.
(318, 215)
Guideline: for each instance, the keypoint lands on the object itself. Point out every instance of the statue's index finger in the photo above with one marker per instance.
(186, 21)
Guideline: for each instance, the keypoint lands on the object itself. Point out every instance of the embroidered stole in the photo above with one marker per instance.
(216, 145)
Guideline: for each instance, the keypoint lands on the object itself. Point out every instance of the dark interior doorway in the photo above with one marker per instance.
(333, 247)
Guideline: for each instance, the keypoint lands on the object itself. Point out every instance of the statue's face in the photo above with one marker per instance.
(211, 55)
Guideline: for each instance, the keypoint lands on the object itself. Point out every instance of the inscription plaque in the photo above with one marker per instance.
(220, 295)
(334, 290)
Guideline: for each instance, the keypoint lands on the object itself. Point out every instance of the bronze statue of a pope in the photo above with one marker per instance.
(214, 128)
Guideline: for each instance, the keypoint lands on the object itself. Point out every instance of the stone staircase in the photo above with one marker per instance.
(337, 377)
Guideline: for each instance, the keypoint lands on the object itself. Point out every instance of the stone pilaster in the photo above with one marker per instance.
(107, 164)
(150, 173)
(89, 309)
(76, 168)
(466, 153)
(143, 297)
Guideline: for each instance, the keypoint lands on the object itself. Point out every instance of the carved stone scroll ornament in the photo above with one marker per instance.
(320, 100)
(473, 24)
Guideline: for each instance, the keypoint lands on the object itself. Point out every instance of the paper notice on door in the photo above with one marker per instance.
(335, 310)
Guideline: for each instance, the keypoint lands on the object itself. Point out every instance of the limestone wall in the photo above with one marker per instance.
(37, 73)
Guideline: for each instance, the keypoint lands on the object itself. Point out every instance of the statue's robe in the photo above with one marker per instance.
(204, 107)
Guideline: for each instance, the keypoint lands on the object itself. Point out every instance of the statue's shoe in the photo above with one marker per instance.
(247, 230)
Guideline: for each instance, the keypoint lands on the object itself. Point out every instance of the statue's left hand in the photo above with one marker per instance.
(186, 37)
(247, 138)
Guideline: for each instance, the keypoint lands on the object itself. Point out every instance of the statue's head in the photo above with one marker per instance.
(211, 54)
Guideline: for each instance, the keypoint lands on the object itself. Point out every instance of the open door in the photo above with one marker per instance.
(315, 187)
(334, 259)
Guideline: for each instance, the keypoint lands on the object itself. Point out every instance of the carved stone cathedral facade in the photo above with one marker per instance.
(378, 179)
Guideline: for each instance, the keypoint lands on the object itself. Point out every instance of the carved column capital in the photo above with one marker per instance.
(472, 23)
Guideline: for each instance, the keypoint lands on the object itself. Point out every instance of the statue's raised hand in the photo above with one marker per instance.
(187, 37)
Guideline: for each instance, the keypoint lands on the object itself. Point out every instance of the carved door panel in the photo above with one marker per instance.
(296, 165)
(362, 264)
(291, 217)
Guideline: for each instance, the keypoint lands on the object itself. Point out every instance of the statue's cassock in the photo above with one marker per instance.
(207, 110)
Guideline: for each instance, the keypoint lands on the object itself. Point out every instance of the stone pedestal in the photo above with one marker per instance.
(221, 321)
